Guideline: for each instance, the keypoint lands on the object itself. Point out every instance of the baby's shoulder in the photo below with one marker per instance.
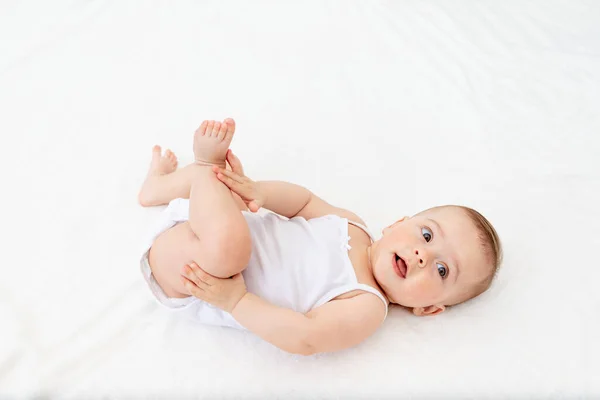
(357, 229)
(349, 215)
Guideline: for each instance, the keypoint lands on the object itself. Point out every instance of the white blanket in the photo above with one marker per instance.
(383, 108)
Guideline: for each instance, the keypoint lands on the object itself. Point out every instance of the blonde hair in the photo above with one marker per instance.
(490, 243)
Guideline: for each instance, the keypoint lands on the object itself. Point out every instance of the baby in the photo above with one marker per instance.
(308, 277)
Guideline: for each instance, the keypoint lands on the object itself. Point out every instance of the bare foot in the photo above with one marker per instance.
(160, 165)
(211, 142)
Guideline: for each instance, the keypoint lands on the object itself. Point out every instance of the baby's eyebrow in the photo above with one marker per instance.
(438, 227)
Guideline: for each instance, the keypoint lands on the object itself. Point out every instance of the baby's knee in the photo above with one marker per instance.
(225, 253)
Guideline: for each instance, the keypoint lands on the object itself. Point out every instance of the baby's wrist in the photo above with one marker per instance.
(236, 303)
(262, 194)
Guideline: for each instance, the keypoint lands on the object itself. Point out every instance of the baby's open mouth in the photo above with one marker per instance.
(400, 266)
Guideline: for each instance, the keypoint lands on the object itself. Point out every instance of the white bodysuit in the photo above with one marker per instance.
(295, 263)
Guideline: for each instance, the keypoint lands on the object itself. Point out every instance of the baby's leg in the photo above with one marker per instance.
(222, 230)
(165, 182)
(216, 236)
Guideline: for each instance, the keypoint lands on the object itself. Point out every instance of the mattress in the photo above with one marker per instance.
(383, 108)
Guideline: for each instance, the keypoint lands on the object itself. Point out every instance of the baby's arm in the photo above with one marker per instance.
(283, 198)
(334, 326)
(291, 200)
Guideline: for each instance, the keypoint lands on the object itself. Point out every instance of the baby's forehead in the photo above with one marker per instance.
(451, 219)
(445, 212)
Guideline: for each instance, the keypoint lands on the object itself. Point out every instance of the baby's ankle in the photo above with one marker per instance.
(203, 163)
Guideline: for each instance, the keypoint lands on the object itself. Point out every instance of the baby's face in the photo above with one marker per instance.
(433, 258)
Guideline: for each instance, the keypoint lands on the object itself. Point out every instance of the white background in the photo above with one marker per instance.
(383, 108)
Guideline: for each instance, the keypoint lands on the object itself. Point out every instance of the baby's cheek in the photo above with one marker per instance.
(425, 289)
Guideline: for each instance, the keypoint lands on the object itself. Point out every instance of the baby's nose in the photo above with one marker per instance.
(421, 257)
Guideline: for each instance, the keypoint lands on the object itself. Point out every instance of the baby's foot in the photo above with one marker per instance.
(160, 165)
(211, 142)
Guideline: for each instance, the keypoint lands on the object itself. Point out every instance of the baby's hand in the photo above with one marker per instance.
(243, 186)
(223, 293)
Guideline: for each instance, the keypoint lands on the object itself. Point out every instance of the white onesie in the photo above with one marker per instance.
(295, 263)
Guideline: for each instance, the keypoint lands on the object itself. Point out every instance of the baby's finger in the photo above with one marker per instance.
(231, 184)
(191, 287)
(232, 175)
(252, 206)
(188, 273)
(236, 164)
(206, 278)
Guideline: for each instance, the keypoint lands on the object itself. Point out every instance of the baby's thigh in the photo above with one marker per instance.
(169, 253)
(179, 246)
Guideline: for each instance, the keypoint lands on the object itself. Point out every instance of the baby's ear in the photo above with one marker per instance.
(428, 311)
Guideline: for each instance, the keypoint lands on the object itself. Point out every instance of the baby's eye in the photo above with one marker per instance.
(442, 270)
(427, 234)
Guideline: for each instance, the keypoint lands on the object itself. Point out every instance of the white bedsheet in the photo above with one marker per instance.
(384, 108)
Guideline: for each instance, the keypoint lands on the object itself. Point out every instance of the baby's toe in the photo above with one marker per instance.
(230, 129)
(156, 151)
(209, 127)
(231, 123)
(215, 131)
(223, 131)
(202, 127)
